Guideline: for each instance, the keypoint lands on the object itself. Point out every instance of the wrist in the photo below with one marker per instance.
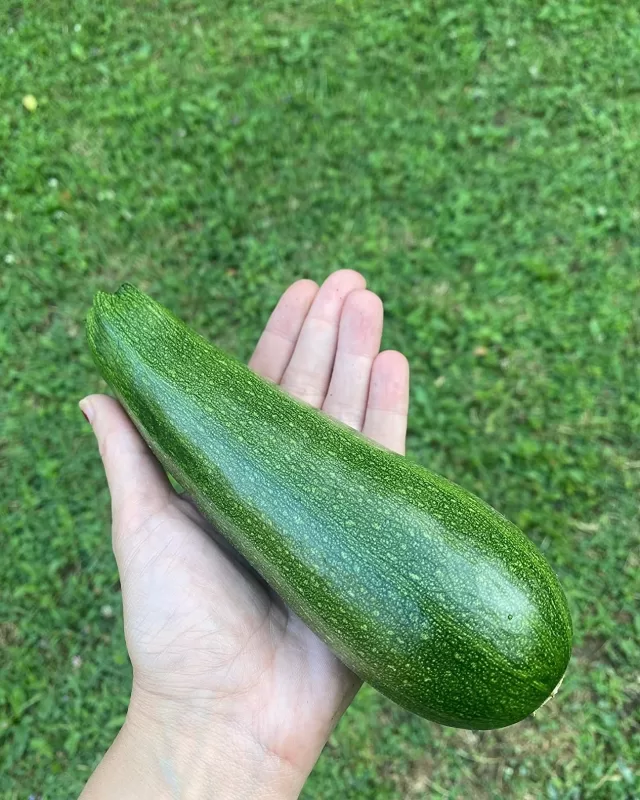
(163, 753)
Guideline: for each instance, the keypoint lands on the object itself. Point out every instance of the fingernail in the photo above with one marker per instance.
(87, 410)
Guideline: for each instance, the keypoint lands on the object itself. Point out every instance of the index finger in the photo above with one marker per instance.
(278, 340)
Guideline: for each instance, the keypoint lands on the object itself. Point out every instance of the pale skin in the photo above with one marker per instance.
(233, 696)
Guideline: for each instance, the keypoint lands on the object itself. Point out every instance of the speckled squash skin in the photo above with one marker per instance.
(417, 585)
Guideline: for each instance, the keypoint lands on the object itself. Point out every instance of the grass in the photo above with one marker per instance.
(477, 160)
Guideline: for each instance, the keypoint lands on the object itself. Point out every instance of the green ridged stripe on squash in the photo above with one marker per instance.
(421, 588)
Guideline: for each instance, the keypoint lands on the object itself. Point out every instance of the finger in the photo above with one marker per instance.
(308, 373)
(138, 485)
(386, 417)
(358, 344)
(280, 335)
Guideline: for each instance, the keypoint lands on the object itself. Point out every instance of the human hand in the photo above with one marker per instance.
(231, 692)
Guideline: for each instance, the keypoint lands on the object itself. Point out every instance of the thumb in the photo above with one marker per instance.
(138, 485)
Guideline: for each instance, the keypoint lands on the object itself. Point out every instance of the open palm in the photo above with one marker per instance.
(207, 639)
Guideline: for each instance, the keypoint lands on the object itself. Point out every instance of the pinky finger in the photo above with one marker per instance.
(386, 418)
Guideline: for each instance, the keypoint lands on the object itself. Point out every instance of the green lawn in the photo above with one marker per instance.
(478, 161)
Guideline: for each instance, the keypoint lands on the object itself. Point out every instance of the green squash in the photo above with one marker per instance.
(421, 588)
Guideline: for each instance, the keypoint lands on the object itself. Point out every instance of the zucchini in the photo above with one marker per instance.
(418, 586)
